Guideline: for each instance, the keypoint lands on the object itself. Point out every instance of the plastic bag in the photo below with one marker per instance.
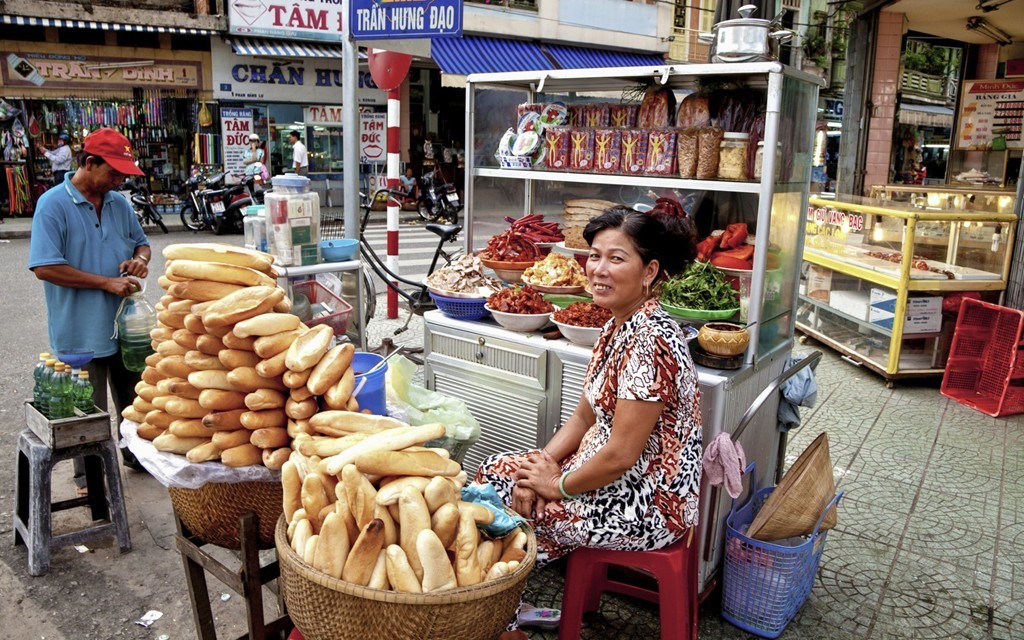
(422, 406)
(487, 495)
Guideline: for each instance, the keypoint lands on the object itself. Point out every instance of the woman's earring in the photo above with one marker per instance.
(647, 289)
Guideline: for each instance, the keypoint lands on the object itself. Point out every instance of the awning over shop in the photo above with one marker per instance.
(283, 48)
(585, 58)
(926, 115)
(28, 21)
(480, 54)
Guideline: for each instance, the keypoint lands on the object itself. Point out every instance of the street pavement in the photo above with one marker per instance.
(930, 540)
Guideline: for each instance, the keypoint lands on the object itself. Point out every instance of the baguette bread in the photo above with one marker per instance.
(270, 437)
(242, 305)
(159, 418)
(151, 376)
(308, 348)
(402, 463)
(329, 370)
(159, 402)
(440, 491)
(231, 341)
(295, 427)
(185, 408)
(379, 577)
(199, 361)
(360, 494)
(484, 553)
(175, 320)
(180, 305)
(133, 414)
(191, 428)
(390, 440)
(265, 399)
(467, 539)
(400, 572)
(390, 526)
(204, 453)
(242, 456)
(389, 492)
(249, 380)
(235, 358)
(145, 391)
(303, 532)
(224, 420)
(195, 324)
(149, 432)
(322, 446)
(220, 400)
(413, 518)
(338, 395)
(161, 333)
(295, 379)
(202, 290)
(231, 439)
(266, 324)
(154, 358)
(164, 282)
(185, 338)
(479, 513)
(142, 406)
(300, 410)
(438, 573)
(170, 443)
(332, 554)
(273, 367)
(299, 394)
(498, 570)
(341, 508)
(313, 497)
(345, 422)
(445, 523)
(221, 254)
(291, 490)
(274, 459)
(512, 554)
(213, 379)
(363, 556)
(270, 346)
(310, 550)
(226, 273)
(174, 366)
(267, 418)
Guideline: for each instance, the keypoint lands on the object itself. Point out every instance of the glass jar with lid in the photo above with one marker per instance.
(759, 160)
(732, 159)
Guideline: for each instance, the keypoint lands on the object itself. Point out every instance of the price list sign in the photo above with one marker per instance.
(991, 115)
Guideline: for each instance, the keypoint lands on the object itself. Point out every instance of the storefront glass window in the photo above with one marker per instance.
(282, 119)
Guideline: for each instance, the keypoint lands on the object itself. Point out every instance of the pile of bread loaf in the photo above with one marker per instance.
(235, 376)
(576, 214)
(367, 503)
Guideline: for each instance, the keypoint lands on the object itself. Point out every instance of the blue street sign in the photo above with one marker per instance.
(385, 19)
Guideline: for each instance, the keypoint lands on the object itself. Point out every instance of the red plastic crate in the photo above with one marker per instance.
(984, 369)
(317, 293)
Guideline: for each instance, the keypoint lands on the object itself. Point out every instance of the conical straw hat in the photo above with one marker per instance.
(796, 504)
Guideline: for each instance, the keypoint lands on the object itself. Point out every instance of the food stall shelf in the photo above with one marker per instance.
(639, 181)
(287, 274)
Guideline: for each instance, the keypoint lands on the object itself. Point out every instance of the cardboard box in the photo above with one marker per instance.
(852, 303)
(819, 282)
(924, 313)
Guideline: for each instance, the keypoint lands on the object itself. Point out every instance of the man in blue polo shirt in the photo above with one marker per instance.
(85, 236)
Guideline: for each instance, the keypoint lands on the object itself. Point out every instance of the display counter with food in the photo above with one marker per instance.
(944, 197)
(883, 280)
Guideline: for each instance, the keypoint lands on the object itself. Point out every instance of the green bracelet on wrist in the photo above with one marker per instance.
(561, 487)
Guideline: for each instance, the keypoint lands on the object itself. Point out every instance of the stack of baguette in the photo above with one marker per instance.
(367, 503)
(575, 216)
(234, 374)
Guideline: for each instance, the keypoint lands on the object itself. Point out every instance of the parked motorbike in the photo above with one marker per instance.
(142, 202)
(439, 199)
(210, 205)
(254, 189)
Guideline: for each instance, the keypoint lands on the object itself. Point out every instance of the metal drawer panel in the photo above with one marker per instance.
(503, 357)
(508, 416)
(571, 389)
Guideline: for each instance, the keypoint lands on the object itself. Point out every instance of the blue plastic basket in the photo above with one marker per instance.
(460, 308)
(765, 584)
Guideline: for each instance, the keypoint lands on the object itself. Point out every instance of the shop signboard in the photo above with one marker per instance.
(82, 72)
(235, 125)
(377, 20)
(307, 80)
(991, 113)
(373, 136)
(294, 19)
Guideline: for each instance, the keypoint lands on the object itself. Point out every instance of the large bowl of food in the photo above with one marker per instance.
(463, 278)
(507, 270)
(700, 292)
(520, 308)
(581, 322)
(556, 273)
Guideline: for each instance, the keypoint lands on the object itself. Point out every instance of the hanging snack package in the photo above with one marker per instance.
(634, 151)
(687, 142)
(581, 150)
(607, 150)
(661, 153)
(595, 115)
(655, 110)
(528, 107)
(556, 139)
(622, 115)
(709, 146)
(575, 118)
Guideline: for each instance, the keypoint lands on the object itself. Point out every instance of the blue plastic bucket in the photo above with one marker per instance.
(369, 389)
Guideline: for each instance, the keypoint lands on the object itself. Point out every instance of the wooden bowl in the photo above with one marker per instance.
(723, 338)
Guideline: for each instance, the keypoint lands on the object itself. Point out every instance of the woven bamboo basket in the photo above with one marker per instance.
(325, 608)
(212, 511)
(723, 338)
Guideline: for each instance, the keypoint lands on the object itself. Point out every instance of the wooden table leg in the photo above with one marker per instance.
(199, 596)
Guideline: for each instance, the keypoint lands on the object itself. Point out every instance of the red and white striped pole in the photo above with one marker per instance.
(394, 206)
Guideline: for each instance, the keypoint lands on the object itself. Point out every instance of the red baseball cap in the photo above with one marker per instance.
(113, 147)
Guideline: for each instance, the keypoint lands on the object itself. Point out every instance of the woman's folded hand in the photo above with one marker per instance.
(541, 474)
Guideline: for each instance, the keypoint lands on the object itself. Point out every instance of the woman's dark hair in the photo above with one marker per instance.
(657, 236)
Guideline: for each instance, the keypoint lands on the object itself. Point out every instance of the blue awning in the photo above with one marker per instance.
(283, 48)
(29, 21)
(480, 54)
(585, 58)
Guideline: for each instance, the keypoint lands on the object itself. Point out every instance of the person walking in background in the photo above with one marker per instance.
(300, 158)
(60, 158)
(90, 252)
(253, 158)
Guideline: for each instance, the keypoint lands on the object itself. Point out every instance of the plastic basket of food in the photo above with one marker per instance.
(328, 308)
(460, 308)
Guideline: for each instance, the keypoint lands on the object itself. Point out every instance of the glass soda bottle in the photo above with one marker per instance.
(37, 378)
(45, 387)
(134, 322)
(83, 393)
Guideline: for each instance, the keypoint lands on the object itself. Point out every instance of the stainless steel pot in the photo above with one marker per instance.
(746, 39)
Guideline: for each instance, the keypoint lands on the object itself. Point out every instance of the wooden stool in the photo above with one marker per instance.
(33, 489)
(247, 581)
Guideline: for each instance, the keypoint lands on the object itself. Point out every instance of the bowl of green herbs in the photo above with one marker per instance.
(700, 292)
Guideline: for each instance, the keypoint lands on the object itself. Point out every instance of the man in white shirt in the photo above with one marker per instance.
(300, 158)
(60, 158)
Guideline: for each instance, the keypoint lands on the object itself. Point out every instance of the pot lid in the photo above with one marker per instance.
(745, 11)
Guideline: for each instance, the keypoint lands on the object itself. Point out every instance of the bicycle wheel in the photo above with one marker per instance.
(425, 211)
(191, 218)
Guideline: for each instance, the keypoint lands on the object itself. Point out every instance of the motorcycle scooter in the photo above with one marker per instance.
(213, 206)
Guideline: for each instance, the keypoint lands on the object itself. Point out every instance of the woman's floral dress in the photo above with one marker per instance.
(653, 503)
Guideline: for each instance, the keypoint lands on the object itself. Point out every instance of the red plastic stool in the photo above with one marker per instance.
(675, 567)
(296, 635)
